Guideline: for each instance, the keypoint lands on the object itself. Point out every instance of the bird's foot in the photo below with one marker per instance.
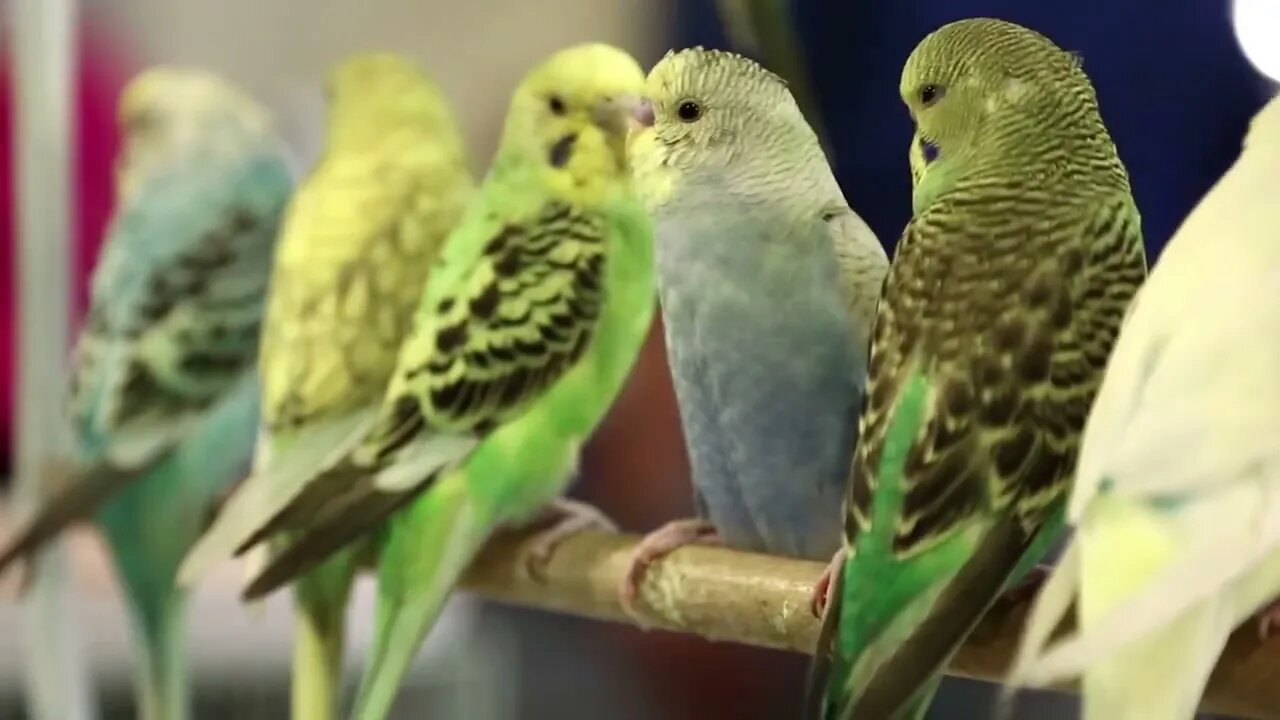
(1269, 620)
(660, 543)
(819, 597)
(564, 518)
(1027, 587)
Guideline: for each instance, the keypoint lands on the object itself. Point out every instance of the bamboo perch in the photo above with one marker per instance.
(43, 38)
(722, 594)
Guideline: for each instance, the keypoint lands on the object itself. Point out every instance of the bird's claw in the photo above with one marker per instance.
(818, 598)
(1027, 587)
(1269, 620)
(660, 543)
(565, 518)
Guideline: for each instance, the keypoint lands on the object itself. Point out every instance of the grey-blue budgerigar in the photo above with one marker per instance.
(768, 283)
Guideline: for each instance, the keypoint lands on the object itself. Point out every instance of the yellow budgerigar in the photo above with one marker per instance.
(525, 334)
(359, 239)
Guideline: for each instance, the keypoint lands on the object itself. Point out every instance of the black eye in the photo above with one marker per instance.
(689, 111)
(930, 94)
(929, 150)
(556, 104)
(141, 122)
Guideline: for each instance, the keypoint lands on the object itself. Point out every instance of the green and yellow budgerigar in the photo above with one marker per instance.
(1177, 538)
(998, 315)
(359, 238)
(526, 332)
(164, 396)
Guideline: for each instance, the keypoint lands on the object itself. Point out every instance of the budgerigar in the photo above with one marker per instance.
(164, 398)
(526, 332)
(1176, 506)
(768, 283)
(359, 238)
(999, 312)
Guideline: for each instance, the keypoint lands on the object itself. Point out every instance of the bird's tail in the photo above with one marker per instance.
(891, 654)
(918, 707)
(1156, 604)
(161, 683)
(148, 526)
(319, 637)
(160, 675)
(258, 507)
(427, 547)
(1162, 676)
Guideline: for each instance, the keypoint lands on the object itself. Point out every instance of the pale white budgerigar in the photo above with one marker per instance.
(1176, 506)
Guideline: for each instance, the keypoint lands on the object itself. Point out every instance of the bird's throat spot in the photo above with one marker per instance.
(562, 150)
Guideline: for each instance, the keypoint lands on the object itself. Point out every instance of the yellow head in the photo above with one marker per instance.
(174, 115)
(570, 116)
(1264, 128)
(991, 95)
(714, 111)
(372, 95)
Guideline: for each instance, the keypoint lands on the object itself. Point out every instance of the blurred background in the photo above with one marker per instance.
(1177, 81)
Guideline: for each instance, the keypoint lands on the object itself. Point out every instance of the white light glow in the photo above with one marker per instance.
(1257, 24)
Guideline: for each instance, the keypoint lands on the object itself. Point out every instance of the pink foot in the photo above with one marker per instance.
(660, 543)
(818, 599)
(566, 518)
(1027, 587)
(1269, 620)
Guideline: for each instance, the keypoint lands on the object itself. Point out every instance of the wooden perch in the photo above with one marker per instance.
(759, 600)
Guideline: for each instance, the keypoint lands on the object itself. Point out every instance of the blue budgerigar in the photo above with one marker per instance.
(164, 393)
(768, 283)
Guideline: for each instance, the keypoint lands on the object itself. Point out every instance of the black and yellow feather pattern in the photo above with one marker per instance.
(170, 337)
(358, 242)
(487, 342)
(522, 317)
(1013, 343)
(1011, 346)
(172, 329)
(998, 315)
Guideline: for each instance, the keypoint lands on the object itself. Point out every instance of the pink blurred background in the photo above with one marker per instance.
(102, 70)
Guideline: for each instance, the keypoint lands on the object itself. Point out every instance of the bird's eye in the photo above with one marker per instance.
(141, 122)
(689, 111)
(928, 150)
(930, 94)
(556, 104)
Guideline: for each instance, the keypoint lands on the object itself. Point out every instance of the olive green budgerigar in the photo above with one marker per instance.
(163, 397)
(998, 315)
(358, 240)
(1177, 534)
(527, 330)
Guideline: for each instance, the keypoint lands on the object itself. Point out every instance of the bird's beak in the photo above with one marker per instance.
(643, 114)
(620, 113)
